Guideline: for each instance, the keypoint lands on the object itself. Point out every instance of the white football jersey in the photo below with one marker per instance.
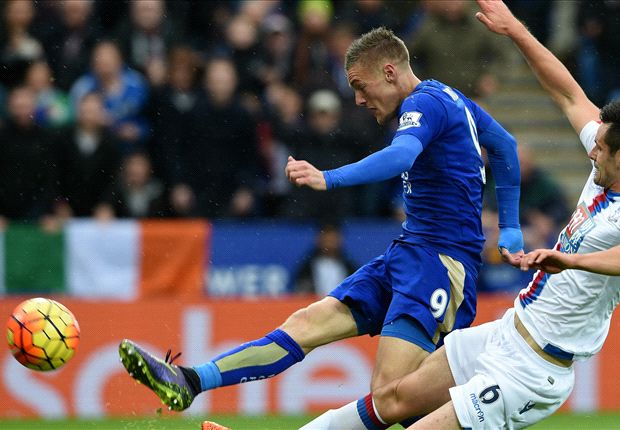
(572, 310)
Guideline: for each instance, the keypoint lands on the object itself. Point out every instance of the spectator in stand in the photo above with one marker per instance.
(340, 38)
(69, 43)
(27, 170)
(258, 11)
(537, 15)
(284, 107)
(439, 44)
(543, 206)
(146, 37)
(218, 168)
(326, 266)
(52, 108)
(600, 39)
(276, 45)
(17, 46)
(369, 14)
(242, 45)
(177, 102)
(87, 159)
(327, 144)
(206, 23)
(3, 113)
(137, 194)
(124, 93)
(311, 57)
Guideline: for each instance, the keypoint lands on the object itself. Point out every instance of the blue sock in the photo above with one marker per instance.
(258, 359)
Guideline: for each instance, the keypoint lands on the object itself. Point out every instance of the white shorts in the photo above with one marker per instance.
(501, 382)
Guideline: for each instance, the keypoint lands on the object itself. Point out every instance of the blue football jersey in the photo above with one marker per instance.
(443, 189)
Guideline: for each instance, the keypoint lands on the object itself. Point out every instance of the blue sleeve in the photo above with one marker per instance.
(422, 116)
(502, 153)
(382, 165)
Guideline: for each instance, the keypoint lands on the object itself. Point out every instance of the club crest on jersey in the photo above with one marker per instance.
(408, 120)
(580, 224)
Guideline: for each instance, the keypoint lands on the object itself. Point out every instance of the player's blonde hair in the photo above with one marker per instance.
(376, 45)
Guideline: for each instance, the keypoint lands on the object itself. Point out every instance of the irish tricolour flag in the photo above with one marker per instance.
(117, 260)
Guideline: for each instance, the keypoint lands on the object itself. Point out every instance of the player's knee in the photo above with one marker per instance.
(387, 403)
(320, 323)
(384, 402)
(299, 327)
(382, 376)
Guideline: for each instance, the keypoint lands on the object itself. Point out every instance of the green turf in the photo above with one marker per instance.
(556, 422)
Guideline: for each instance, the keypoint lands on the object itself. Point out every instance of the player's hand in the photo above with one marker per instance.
(300, 172)
(547, 260)
(514, 259)
(496, 16)
(510, 244)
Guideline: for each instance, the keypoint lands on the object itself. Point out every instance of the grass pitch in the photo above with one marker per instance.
(610, 421)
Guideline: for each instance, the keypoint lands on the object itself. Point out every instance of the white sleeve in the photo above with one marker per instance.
(587, 135)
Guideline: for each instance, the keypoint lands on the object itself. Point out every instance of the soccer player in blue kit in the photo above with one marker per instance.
(423, 286)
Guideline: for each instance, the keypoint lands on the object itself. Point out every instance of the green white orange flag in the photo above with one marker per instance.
(119, 260)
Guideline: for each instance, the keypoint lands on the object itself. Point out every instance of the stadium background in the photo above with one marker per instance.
(200, 270)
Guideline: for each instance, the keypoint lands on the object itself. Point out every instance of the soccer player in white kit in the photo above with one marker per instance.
(515, 371)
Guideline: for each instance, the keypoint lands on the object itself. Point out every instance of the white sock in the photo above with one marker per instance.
(344, 418)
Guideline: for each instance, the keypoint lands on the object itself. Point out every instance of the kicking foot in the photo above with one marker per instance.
(170, 382)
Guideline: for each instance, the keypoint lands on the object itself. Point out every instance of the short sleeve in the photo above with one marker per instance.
(587, 135)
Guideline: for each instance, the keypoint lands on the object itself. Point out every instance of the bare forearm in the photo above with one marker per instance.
(602, 262)
(551, 73)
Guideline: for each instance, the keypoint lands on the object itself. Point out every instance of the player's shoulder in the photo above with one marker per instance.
(427, 95)
(435, 92)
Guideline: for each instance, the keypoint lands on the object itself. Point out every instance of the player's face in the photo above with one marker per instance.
(375, 91)
(607, 165)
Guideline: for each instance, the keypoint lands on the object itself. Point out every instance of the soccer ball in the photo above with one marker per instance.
(42, 334)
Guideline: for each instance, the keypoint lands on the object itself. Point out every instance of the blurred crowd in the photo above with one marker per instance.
(185, 108)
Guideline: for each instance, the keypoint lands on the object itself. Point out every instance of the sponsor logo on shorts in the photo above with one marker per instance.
(477, 408)
(529, 405)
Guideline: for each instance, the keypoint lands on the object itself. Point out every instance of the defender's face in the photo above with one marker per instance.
(607, 166)
(375, 91)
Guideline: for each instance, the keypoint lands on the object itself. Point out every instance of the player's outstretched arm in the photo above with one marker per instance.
(551, 261)
(502, 154)
(379, 166)
(550, 71)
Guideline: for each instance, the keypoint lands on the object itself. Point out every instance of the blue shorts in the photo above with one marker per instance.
(411, 292)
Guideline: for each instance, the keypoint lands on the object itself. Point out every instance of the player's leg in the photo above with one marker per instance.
(432, 295)
(322, 322)
(512, 386)
(351, 309)
(443, 418)
(428, 302)
(396, 358)
(416, 393)
(427, 293)
(348, 311)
